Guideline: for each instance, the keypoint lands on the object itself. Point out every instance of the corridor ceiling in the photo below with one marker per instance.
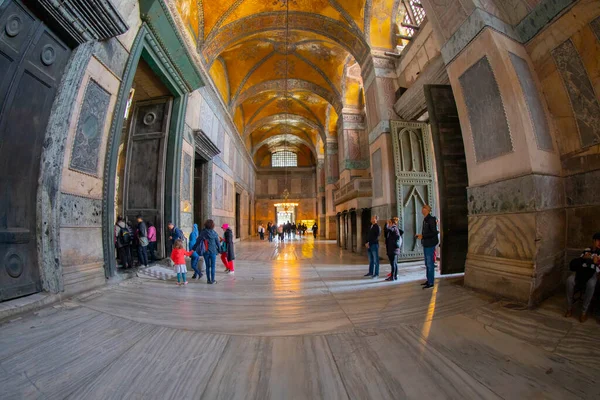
(243, 46)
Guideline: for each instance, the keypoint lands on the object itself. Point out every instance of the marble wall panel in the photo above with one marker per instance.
(376, 169)
(80, 246)
(186, 187)
(582, 223)
(88, 138)
(80, 211)
(584, 101)
(272, 186)
(354, 146)
(534, 103)
(581, 190)
(113, 55)
(487, 116)
(187, 222)
(218, 190)
(508, 236)
(526, 193)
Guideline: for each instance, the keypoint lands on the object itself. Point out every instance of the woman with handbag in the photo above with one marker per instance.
(227, 251)
(393, 243)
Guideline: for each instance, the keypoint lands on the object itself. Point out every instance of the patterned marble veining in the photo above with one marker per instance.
(298, 320)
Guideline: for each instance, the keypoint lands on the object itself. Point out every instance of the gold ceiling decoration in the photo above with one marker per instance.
(269, 57)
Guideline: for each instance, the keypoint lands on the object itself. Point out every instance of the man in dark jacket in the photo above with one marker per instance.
(142, 232)
(587, 270)
(429, 239)
(372, 245)
(176, 233)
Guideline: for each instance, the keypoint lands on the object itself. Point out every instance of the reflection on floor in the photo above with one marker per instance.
(298, 321)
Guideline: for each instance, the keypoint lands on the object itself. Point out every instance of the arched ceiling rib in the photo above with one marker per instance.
(249, 53)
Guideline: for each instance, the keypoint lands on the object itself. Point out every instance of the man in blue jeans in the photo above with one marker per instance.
(429, 239)
(373, 247)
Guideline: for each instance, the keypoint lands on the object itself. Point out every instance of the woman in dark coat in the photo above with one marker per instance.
(393, 243)
(228, 256)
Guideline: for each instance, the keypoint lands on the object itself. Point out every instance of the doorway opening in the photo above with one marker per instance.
(142, 156)
(237, 215)
(199, 217)
(283, 216)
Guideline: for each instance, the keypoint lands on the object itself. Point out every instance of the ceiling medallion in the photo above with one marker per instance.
(284, 48)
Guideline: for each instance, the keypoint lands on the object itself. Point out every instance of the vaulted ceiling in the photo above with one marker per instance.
(286, 68)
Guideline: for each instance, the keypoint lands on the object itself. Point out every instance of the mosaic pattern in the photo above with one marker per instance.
(581, 92)
(534, 103)
(88, 138)
(489, 126)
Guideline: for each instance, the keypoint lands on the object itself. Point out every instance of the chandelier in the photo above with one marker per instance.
(285, 104)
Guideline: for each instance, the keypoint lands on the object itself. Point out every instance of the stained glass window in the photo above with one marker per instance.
(284, 159)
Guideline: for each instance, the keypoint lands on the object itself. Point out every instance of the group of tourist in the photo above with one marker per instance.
(393, 243)
(203, 246)
(586, 270)
(288, 230)
(143, 239)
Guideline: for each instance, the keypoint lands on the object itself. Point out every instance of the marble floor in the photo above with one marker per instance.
(298, 321)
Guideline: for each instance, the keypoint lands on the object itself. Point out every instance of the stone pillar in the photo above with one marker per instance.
(380, 87)
(354, 145)
(321, 205)
(332, 176)
(516, 195)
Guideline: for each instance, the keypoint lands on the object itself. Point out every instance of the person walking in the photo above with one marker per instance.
(123, 240)
(270, 231)
(229, 254)
(372, 245)
(211, 248)
(176, 233)
(195, 256)
(261, 232)
(293, 228)
(429, 239)
(315, 229)
(143, 241)
(152, 241)
(585, 278)
(281, 232)
(393, 244)
(178, 256)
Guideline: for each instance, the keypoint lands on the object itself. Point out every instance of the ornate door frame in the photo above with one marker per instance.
(414, 181)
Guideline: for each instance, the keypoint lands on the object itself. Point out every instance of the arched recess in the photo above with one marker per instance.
(339, 32)
(287, 140)
(148, 47)
(284, 118)
(293, 85)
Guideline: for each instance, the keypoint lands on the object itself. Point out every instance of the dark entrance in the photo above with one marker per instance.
(237, 215)
(199, 165)
(354, 246)
(32, 61)
(452, 175)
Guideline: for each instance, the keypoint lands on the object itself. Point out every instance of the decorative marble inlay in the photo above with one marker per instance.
(187, 178)
(88, 138)
(489, 126)
(80, 211)
(581, 92)
(377, 181)
(534, 103)
(218, 192)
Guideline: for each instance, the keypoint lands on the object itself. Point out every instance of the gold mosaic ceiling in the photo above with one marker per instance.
(243, 45)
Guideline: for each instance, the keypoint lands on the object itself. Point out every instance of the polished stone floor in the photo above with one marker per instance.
(298, 321)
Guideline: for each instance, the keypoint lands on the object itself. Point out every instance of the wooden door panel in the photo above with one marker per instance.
(36, 64)
(452, 176)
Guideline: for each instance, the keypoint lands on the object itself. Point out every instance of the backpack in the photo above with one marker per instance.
(124, 237)
(201, 246)
(223, 247)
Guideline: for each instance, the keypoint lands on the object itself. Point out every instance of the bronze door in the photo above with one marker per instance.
(146, 164)
(32, 61)
(414, 181)
(451, 167)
